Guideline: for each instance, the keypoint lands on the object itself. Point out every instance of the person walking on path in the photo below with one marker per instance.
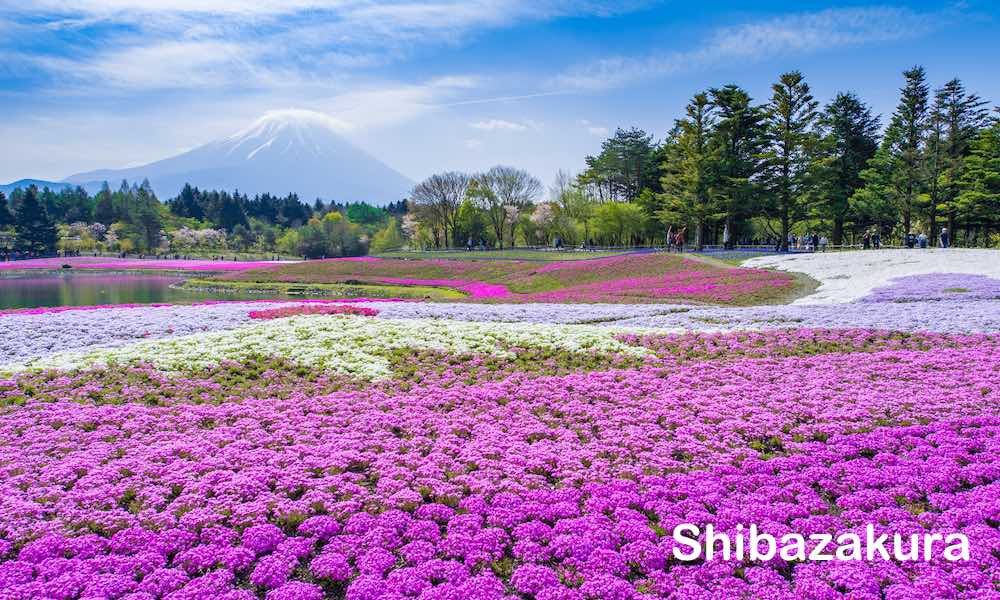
(679, 239)
(670, 238)
(945, 238)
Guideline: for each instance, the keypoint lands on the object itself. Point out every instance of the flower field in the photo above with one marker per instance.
(627, 278)
(303, 450)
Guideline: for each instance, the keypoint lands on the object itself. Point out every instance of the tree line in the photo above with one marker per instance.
(132, 219)
(734, 171)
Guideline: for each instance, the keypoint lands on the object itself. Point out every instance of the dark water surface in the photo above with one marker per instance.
(85, 289)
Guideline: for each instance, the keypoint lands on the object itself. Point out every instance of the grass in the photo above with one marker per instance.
(339, 290)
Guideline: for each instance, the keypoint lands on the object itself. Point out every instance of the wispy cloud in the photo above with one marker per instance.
(503, 125)
(593, 129)
(194, 44)
(751, 42)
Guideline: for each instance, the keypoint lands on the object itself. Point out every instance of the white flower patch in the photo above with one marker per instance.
(27, 335)
(975, 316)
(348, 345)
(849, 276)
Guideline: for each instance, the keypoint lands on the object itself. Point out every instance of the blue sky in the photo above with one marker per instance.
(441, 85)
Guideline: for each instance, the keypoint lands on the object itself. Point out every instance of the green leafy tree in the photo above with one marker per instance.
(956, 119)
(104, 209)
(978, 200)
(35, 231)
(502, 193)
(6, 217)
(618, 223)
(897, 171)
(689, 169)
(739, 134)
(626, 165)
(388, 238)
(850, 140)
(791, 144)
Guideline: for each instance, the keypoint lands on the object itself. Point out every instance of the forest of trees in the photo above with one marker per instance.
(132, 219)
(735, 171)
(731, 170)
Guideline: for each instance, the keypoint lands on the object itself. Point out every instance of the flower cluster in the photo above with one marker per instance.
(627, 278)
(312, 309)
(336, 343)
(536, 486)
(937, 286)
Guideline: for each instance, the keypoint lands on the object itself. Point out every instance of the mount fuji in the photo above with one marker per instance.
(286, 151)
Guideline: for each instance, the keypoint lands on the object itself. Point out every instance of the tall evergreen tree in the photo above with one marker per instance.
(907, 136)
(978, 200)
(104, 209)
(35, 231)
(6, 217)
(625, 166)
(739, 135)
(850, 139)
(688, 168)
(791, 143)
(957, 118)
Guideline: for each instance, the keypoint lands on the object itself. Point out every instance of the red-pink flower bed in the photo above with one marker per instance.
(649, 277)
(702, 286)
(475, 289)
(312, 309)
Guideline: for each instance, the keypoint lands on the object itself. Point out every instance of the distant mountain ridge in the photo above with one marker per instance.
(92, 187)
(287, 151)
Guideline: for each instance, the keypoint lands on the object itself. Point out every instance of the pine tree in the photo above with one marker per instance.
(957, 118)
(790, 117)
(35, 231)
(739, 135)
(688, 169)
(907, 135)
(850, 140)
(978, 201)
(6, 217)
(104, 209)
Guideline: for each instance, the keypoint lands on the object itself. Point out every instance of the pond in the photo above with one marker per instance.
(85, 289)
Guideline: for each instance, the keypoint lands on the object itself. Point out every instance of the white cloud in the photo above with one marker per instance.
(473, 144)
(795, 34)
(499, 125)
(593, 129)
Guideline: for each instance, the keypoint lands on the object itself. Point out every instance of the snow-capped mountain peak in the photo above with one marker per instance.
(283, 151)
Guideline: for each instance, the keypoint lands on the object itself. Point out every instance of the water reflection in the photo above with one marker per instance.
(85, 289)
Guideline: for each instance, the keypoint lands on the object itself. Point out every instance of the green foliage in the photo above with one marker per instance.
(329, 237)
(626, 165)
(388, 238)
(6, 217)
(689, 170)
(739, 134)
(617, 223)
(788, 158)
(979, 186)
(849, 140)
(34, 229)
